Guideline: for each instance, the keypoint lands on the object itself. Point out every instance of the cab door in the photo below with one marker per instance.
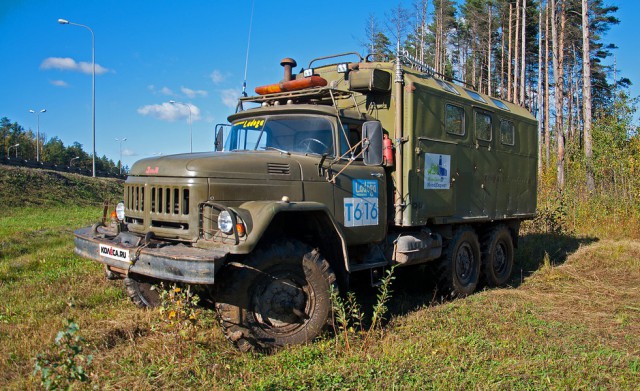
(360, 196)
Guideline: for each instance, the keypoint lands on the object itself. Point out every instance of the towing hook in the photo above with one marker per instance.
(147, 238)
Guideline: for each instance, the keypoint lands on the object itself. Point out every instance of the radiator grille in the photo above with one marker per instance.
(163, 200)
(134, 198)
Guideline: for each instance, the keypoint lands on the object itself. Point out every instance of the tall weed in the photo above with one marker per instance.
(349, 318)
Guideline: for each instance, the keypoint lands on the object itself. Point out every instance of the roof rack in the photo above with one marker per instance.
(413, 62)
(323, 95)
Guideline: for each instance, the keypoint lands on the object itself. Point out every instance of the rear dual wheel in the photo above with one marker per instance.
(497, 256)
(460, 266)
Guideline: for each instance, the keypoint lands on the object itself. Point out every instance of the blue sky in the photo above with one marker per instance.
(151, 52)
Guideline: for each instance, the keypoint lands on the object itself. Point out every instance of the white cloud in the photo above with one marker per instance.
(86, 67)
(193, 93)
(129, 152)
(217, 77)
(230, 97)
(164, 90)
(69, 64)
(170, 112)
(184, 111)
(59, 83)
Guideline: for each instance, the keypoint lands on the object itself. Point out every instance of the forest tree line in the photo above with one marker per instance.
(549, 56)
(18, 143)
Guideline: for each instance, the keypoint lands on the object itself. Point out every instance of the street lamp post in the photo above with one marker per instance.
(121, 140)
(13, 146)
(72, 159)
(93, 86)
(37, 113)
(173, 102)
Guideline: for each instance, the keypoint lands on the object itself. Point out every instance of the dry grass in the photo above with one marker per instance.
(571, 322)
(574, 325)
(600, 287)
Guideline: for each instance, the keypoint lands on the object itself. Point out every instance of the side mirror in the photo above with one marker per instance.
(219, 137)
(372, 146)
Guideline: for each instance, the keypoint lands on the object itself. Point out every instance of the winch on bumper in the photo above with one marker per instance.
(125, 253)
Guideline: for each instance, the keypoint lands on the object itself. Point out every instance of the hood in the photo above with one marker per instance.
(232, 165)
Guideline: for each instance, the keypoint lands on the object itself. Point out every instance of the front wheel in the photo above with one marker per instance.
(279, 296)
(142, 293)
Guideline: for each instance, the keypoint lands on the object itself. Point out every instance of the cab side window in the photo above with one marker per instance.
(349, 137)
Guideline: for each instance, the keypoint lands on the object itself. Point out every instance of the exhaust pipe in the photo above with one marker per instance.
(288, 64)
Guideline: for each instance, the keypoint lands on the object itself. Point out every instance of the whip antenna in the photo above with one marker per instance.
(246, 62)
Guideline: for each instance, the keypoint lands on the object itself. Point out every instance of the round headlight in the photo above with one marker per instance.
(120, 211)
(225, 223)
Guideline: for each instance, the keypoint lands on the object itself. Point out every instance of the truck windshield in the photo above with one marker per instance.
(300, 133)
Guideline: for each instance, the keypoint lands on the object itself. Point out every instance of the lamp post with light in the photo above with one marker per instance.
(93, 85)
(173, 102)
(72, 159)
(37, 114)
(13, 146)
(121, 140)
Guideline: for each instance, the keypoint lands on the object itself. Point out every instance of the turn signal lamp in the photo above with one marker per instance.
(241, 229)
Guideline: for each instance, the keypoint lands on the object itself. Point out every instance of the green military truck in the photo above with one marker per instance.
(344, 168)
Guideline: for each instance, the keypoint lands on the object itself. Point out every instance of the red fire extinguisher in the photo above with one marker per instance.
(387, 151)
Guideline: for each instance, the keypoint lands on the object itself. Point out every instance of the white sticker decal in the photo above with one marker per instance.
(114, 253)
(362, 208)
(360, 211)
(437, 171)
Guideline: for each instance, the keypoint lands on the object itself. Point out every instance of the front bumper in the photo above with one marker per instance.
(160, 260)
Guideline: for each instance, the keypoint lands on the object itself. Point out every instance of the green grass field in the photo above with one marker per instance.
(569, 320)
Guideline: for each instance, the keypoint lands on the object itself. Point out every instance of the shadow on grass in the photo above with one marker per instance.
(532, 248)
(415, 287)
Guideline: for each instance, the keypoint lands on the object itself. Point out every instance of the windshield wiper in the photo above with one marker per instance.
(277, 149)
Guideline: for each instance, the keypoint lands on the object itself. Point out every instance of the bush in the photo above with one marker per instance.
(179, 308)
(66, 364)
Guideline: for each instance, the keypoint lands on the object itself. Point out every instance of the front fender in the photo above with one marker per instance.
(259, 215)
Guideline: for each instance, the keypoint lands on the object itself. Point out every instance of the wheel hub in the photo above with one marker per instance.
(500, 259)
(279, 304)
(464, 263)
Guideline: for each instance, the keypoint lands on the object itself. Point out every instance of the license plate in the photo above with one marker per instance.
(114, 252)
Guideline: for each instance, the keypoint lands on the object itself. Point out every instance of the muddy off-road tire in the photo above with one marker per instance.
(142, 293)
(497, 256)
(278, 296)
(459, 269)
